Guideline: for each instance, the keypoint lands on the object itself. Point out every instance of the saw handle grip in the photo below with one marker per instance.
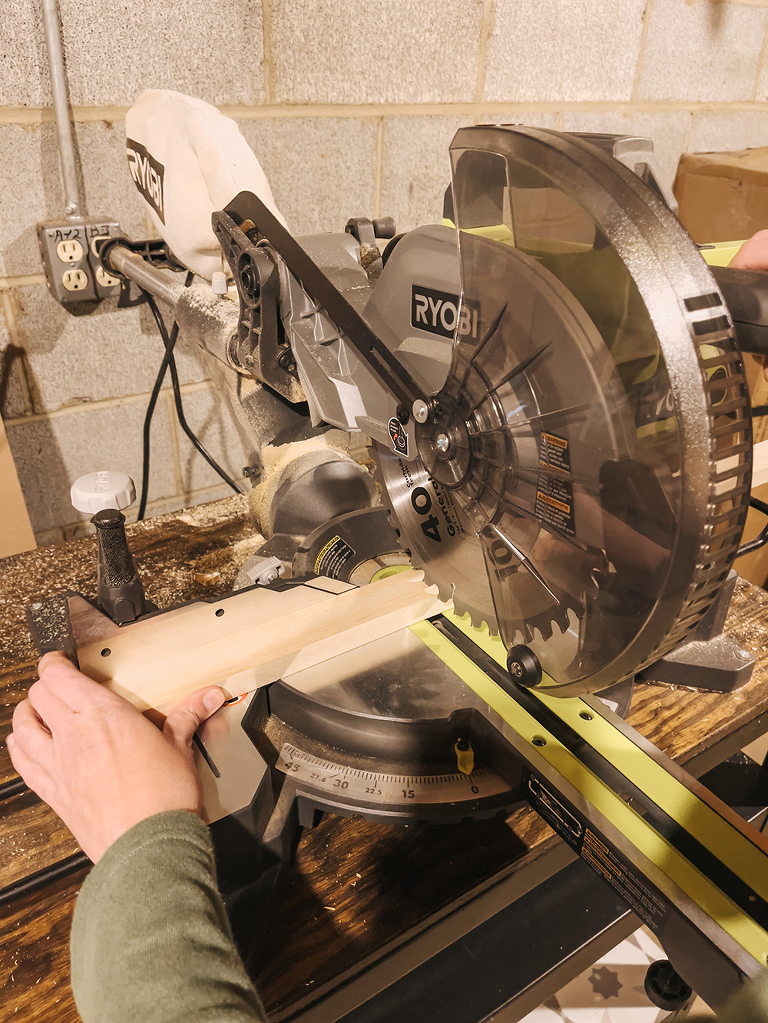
(120, 592)
(746, 296)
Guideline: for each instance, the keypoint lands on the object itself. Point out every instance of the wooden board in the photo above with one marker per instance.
(356, 886)
(253, 638)
(15, 528)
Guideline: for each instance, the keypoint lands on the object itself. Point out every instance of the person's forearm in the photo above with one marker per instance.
(150, 938)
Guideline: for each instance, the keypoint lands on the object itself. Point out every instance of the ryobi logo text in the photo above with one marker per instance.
(148, 175)
(438, 312)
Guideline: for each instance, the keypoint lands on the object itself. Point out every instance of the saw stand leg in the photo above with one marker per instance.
(709, 660)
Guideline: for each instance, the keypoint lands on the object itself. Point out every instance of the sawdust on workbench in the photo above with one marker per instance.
(168, 549)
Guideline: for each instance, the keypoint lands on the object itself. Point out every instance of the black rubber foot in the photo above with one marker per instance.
(665, 987)
(523, 666)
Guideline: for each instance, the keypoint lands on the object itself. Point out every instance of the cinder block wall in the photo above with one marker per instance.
(350, 107)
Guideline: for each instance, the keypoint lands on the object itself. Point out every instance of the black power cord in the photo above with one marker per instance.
(169, 362)
(762, 538)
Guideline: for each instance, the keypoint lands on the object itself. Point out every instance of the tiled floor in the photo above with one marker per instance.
(611, 991)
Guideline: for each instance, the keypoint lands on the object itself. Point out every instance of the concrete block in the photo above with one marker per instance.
(209, 417)
(107, 353)
(108, 187)
(14, 394)
(214, 51)
(5, 334)
(32, 186)
(416, 168)
(667, 130)
(698, 50)
(50, 453)
(322, 170)
(46, 537)
(31, 192)
(182, 501)
(343, 51)
(761, 90)
(74, 530)
(24, 81)
(563, 50)
(722, 131)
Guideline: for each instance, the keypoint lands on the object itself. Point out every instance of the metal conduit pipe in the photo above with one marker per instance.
(156, 282)
(73, 208)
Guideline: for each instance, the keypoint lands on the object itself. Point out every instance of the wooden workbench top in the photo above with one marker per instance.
(356, 886)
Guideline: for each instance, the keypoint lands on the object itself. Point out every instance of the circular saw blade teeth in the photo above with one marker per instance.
(477, 618)
(447, 591)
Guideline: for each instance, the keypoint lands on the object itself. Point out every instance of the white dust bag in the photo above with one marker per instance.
(188, 160)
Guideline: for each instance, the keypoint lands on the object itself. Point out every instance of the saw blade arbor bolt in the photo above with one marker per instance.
(523, 666)
(443, 443)
(420, 411)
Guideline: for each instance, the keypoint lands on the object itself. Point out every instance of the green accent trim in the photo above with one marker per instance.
(666, 863)
(385, 573)
(744, 858)
(719, 253)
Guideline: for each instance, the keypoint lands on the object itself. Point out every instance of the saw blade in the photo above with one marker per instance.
(436, 535)
(583, 476)
(440, 541)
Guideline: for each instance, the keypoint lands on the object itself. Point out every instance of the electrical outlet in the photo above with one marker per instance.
(104, 279)
(75, 280)
(73, 270)
(69, 251)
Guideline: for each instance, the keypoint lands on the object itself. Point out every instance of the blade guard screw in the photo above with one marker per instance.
(523, 666)
(420, 411)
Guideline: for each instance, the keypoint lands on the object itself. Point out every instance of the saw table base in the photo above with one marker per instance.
(357, 889)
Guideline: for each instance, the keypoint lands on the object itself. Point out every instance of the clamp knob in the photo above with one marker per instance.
(102, 494)
(96, 491)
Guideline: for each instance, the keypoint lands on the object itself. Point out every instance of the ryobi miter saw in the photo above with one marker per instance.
(557, 405)
(561, 429)
(558, 408)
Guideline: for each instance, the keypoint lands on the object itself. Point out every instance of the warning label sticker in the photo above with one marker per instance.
(333, 557)
(635, 891)
(643, 898)
(554, 496)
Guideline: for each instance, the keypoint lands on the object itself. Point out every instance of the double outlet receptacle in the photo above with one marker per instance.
(73, 271)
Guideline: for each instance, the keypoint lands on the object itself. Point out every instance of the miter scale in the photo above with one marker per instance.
(560, 425)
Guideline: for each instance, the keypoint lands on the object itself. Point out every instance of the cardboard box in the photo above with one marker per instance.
(15, 530)
(723, 196)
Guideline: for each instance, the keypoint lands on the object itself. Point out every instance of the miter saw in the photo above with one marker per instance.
(561, 431)
(572, 470)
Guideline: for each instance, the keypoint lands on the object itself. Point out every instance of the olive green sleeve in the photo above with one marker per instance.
(150, 938)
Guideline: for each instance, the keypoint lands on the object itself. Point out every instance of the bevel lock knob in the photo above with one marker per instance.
(96, 491)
